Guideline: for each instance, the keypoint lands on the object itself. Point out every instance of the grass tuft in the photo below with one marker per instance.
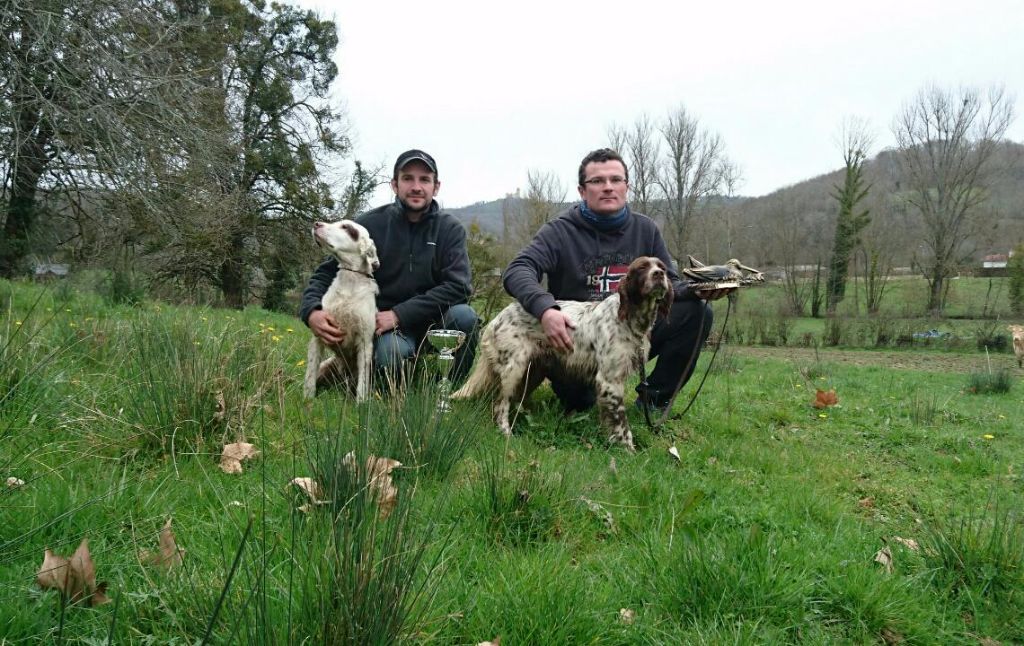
(982, 551)
(989, 383)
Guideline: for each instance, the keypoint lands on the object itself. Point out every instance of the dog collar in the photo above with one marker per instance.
(356, 271)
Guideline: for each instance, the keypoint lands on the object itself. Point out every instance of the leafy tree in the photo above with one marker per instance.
(1015, 268)
(852, 217)
(250, 181)
(356, 196)
(485, 267)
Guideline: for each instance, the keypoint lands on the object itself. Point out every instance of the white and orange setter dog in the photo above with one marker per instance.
(610, 341)
(352, 301)
(1018, 343)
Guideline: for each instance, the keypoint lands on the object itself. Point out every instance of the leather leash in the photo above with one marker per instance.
(689, 366)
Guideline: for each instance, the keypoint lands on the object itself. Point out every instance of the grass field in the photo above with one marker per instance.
(894, 516)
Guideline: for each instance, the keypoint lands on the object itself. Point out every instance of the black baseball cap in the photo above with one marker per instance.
(415, 155)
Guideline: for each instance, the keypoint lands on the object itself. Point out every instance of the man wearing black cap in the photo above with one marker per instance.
(424, 275)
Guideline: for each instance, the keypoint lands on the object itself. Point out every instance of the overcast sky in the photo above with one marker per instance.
(493, 89)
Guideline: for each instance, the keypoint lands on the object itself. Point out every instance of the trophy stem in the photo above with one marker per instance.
(446, 342)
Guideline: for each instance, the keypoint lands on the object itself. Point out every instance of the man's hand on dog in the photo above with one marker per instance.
(557, 328)
(386, 321)
(325, 327)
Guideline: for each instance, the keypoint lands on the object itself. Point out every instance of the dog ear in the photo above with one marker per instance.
(665, 304)
(368, 251)
(631, 289)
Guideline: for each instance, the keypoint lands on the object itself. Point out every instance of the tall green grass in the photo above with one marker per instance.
(763, 531)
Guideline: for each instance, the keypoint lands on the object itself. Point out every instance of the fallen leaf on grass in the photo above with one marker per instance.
(13, 482)
(378, 472)
(908, 543)
(890, 636)
(169, 556)
(74, 578)
(674, 452)
(866, 503)
(626, 616)
(311, 488)
(825, 398)
(233, 455)
(884, 556)
(494, 642)
(613, 467)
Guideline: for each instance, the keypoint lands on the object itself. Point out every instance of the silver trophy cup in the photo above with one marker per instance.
(446, 342)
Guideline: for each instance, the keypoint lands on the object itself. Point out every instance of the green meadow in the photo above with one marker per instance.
(893, 516)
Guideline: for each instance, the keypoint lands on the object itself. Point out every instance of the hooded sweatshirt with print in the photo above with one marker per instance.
(583, 263)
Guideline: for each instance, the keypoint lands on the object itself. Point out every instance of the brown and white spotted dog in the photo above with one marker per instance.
(610, 340)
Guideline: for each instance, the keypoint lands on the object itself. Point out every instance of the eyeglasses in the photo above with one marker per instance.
(601, 181)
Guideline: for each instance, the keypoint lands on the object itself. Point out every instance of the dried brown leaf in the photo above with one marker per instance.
(53, 573)
(890, 636)
(908, 543)
(234, 454)
(825, 398)
(378, 472)
(867, 502)
(310, 487)
(169, 556)
(74, 577)
(884, 556)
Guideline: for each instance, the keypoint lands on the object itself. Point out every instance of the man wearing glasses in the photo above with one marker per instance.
(584, 252)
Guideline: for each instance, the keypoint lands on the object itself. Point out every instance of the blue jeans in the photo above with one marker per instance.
(393, 350)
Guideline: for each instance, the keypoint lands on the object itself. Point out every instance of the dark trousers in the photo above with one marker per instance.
(675, 341)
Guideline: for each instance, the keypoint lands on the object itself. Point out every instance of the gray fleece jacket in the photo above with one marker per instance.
(424, 266)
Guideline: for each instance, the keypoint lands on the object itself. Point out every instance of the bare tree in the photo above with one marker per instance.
(523, 217)
(690, 172)
(89, 95)
(639, 146)
(946, 141)
(715, 227)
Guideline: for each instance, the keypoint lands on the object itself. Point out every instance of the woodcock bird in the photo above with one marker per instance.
(730, 275)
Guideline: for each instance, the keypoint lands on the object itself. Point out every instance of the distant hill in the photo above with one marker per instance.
(486, 214)
(751, 221)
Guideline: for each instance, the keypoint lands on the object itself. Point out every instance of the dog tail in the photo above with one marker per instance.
(480, 380)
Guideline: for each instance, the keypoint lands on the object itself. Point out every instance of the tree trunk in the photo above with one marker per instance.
(29, 163)
(232, 274)
(936, 293)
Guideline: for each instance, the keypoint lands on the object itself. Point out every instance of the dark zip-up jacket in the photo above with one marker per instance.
(424, 266)
(583, 263)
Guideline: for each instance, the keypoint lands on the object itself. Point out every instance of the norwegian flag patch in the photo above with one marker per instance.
(606, 279)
